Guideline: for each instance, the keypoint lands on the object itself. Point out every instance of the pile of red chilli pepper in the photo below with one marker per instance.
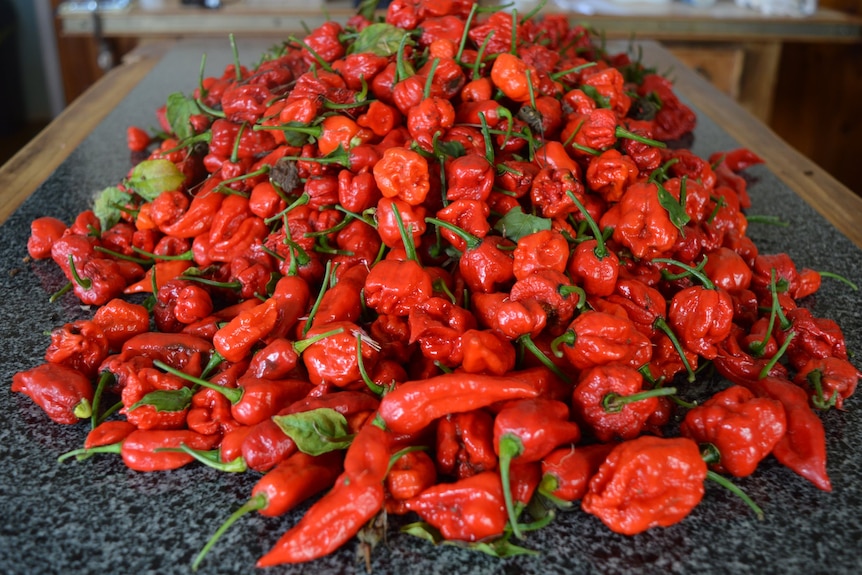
(439, 262)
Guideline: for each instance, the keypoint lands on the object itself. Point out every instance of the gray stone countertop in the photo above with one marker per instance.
(97, 517)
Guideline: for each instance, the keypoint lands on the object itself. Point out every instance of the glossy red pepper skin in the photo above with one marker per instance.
(701, 317)
(590, 397)
(81, 345)
(295, 480)
(836, 377)
(188, 353)
(465, 444)
(394, 287)
(743, 428)
(601, 338)
(413, 405)
(59, 390)
(329, 523)
(108, 432)
(803, 447)
(262, 398)
(121, 320)
(566, 471)
(647, 482)
(144, 450)
(470, 509)
(44, 232)
(410, 475)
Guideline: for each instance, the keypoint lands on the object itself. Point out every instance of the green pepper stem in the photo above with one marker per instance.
(471, 240)
(84, 409)
(697, 272)
(467, 25)
(531, 346)
(120, 256)
(733, 488)
(547, 486)
(86, 452)
(233, 394)
(325, 284)
(375, 388)
(601, 250)
(256, 503)
(614, 402)
(771, 363)
(60, 292)
(429, 81)
(104, 378)
(211, 459)
(815, 378)
(510, 447)
(628, 135)
(662, 325)
(557, 75)
(214, 361)
(300, 201)
(568, 337)
(406, 237)
(186, 255)
(317, 58)
(840, 278)
(85, 283)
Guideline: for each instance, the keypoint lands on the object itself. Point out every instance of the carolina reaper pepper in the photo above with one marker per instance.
(598, 338)
(566, 471)
(647, 482)
(465, 443)
(81, 345)
(64, 393)
(470, 509)
(526, 431)
(611, 400)
(742, 428)
(802, 448)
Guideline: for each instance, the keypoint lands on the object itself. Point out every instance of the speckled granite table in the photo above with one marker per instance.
(97, 517)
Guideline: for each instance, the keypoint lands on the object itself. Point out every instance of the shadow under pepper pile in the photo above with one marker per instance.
(440, 263)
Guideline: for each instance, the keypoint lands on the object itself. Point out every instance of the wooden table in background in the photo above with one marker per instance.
(738, 49)
(23, 174)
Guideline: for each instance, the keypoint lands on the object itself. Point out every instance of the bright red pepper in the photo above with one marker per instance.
(63, 393)
(647, 482)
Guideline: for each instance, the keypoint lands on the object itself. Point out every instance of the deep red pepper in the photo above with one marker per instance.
(413, 405)
(741, 427)
(63, 393)
(647, 482)
(526, 431)
(470, 509)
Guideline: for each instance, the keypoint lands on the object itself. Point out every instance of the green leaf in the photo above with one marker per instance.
(601, 100)
(423, 531)
(108, 206)
(381, 39)
(152, 177)
(675, 210)
(178, 111)
(516, 224)
(500, 547)
(450, 149)
(317, 431)
(166, 399)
